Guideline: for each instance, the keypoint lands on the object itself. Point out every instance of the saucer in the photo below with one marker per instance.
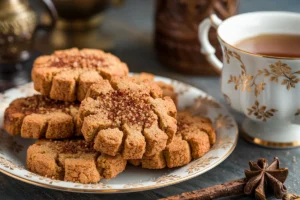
(13, 149)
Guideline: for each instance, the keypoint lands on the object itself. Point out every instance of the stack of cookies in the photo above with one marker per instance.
(91, 119)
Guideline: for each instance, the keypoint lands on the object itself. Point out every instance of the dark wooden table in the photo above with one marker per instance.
(131, 27)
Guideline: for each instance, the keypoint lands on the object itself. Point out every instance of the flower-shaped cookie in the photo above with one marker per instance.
(41, 117)
(194, 138)
(167, 89)
(67, 74)
(127, 117)
(72, 160)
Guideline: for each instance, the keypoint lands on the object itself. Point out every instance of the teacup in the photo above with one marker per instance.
(265, 88)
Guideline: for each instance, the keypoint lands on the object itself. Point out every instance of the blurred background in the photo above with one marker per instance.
(159, 37)
(156, 36)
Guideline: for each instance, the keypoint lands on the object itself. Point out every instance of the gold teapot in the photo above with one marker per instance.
(18, 25)
(81, 15)
(78, 24)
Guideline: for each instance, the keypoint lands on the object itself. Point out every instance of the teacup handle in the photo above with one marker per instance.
(206, 48)
(53, 15)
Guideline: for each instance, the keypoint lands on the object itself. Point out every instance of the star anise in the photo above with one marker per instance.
(262, 177)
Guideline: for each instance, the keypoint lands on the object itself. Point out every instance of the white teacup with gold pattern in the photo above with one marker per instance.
(265, 88)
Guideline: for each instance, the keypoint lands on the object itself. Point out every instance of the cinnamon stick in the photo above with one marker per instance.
(231, 188)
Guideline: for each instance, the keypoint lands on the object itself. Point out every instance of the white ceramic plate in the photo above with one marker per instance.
(13, 149)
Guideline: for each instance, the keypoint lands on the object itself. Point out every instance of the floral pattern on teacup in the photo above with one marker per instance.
(248, 83)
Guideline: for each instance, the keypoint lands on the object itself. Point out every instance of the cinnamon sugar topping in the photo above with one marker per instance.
(41, 104)
(74, 146)
(127, 107)
(80, 59)
(77, 61)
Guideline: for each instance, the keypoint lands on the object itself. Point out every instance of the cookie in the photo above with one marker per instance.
(168, 90)
(178, 153)
(72, 160)
(40, 117)
(127, 117)
(194, 137)
(198, 132)
(67, 74)
(111, 165)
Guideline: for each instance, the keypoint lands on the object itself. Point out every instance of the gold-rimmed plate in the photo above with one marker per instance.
(13, 149)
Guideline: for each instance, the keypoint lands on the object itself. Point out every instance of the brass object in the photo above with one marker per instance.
(78, 25)
(78, 14)
(18, 25)
(176, 39)
(81, 15)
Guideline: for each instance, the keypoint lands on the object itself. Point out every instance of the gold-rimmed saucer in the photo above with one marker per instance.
(13, 149)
